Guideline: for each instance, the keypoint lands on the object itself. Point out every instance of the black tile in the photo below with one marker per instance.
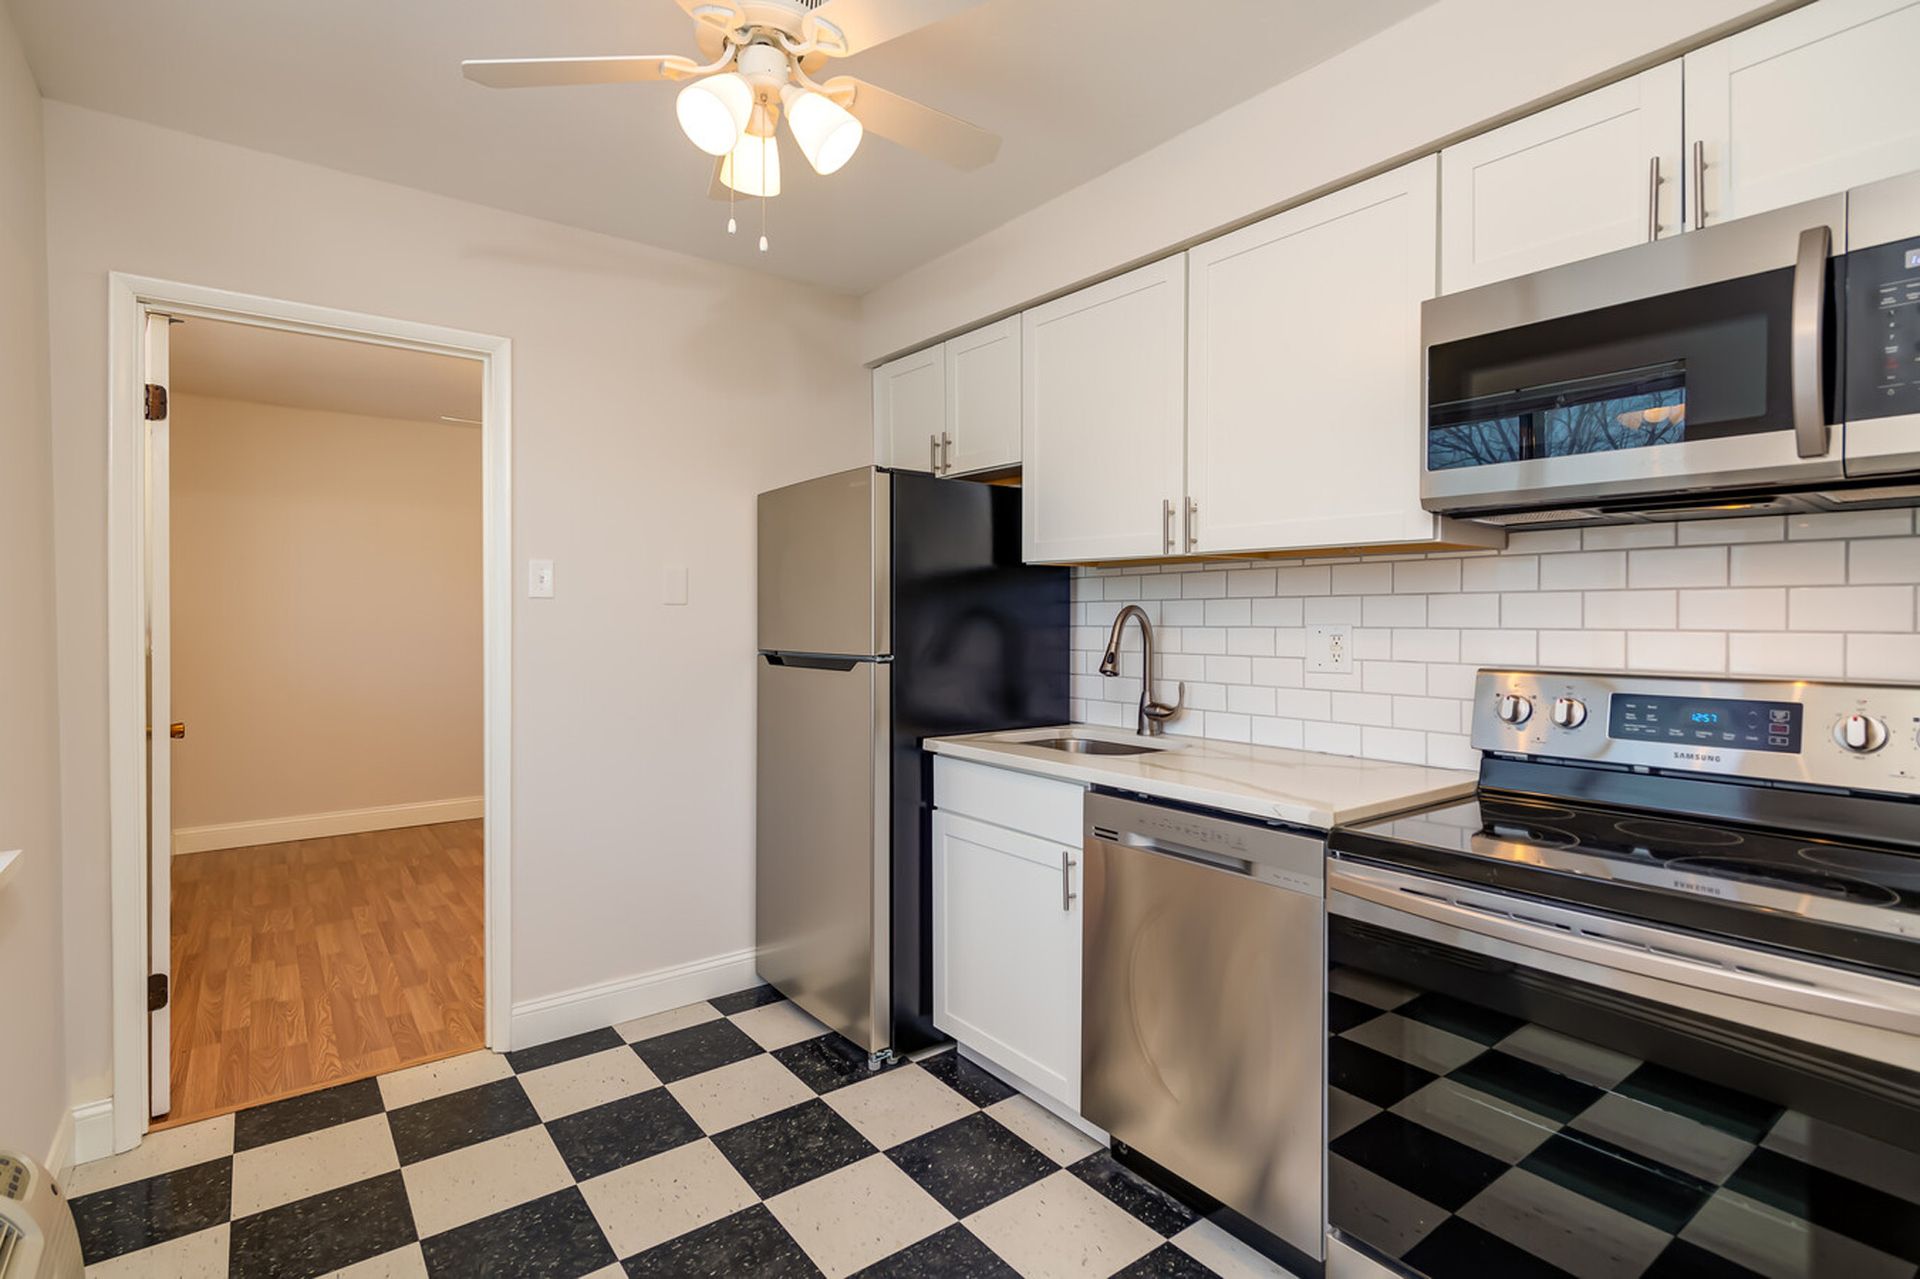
(750, 1242)
(1733, 1112)
(829, 1061)
(1683, 1260)
(954, 1253)
(279, 1120)
(1469, 1021)
(1624, 1180)
(459, 1119)
(1544, 1092)
(792, 1146)
(1419, 1160)
(552, 1054)
(1458, 1249)
(972, 1082)
(1344, 1014)
(554, 1237)
(622, 1132)
(1837, 1203)
(140, 1214)
(1166, 1262)
(970, 1163)
(1370, 1074)
(323, 1233)
(1150, 1204)
(741, 1000)
(695, 1050)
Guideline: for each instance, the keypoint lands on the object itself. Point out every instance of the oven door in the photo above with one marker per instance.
(1701, 363)
(1516, 1088)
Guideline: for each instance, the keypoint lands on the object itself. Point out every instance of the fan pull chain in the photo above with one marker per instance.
(733, 225)
(763, 193)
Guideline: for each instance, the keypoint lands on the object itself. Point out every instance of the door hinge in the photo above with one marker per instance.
(156, 402)
(156, 992)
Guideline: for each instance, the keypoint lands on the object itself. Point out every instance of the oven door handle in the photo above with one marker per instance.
(1627, 949)
(1811, 436)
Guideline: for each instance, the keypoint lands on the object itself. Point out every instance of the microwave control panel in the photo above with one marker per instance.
(1883, 330)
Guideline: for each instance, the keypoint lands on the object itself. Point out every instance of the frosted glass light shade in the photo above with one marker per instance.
(753, 168)
(826, 131)
(713, 112)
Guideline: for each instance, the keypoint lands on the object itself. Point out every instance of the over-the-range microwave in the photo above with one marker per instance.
(1770, 364)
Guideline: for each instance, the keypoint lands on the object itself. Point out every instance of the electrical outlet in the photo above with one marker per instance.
(1330, 649)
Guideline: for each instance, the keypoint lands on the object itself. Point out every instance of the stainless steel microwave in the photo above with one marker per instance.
(1767, 364)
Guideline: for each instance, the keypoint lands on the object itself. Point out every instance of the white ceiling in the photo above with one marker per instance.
(301, 371)
(374, 87)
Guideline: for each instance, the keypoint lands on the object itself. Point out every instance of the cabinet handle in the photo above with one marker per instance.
(946, 452)
(1699, 185)
(1193, 524)
(1066, 880)
(1166, 527)
(1653, 199)
(933, 454)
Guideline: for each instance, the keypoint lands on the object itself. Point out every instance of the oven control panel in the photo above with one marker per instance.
(1852, 736)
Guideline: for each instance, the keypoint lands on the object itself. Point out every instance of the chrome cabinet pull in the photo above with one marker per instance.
(1809, 342)
(946, 452)
(1653, 199)
(1166, 527)
(1699, 185)
(1193, 524)
(1066, 880)
(933, 454)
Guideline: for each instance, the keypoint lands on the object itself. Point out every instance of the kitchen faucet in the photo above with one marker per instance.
(1151, 712)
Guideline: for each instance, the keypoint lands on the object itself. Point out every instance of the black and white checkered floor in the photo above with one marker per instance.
(734, 1137)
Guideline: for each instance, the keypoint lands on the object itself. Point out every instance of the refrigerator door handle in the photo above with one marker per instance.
(811, 661)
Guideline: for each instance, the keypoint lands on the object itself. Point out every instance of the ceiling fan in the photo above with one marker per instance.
(762, 54)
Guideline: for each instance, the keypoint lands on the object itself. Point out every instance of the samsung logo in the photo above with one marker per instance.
(1702, 756)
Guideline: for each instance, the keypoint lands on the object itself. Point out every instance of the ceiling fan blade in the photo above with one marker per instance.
(857, 25)
(533, 73)
(919, 128)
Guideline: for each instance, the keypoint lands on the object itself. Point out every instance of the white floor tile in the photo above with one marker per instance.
(165, 1151)
(777, 1025)
(1061, 1228)
(465, 1185)
(401, 1263)
(587, 1081)
(268, 1176)
(661, 1198)
(738, 1093)
(438, 1078)
(202, 1255)
(1226, 1256)
(898, 1105)
(1045, 1131)
(851, 1218)
(661, 1023)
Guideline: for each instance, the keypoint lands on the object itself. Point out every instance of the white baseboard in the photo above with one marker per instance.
(91, 1127)
(570, 1012)
(349, 821)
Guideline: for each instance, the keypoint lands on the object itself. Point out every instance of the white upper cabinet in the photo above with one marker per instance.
(1303, 410)
(1104, 405)
(1589, 176)
(910, 410)
(983, 399)
(1808, 104)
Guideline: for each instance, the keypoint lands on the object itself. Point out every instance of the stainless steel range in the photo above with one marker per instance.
(1648, 1003)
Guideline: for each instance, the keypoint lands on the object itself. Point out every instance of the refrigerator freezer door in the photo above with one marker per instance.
(822, 881)
(826, 565)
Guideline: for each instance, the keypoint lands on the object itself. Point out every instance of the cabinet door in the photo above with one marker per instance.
(1303, 417)
(910, 410)
(1006, 950)
(1103, 415)
(983, 398)
(1808, 104)
(1587, 177)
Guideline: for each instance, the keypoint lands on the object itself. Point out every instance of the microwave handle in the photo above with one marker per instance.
(1810, 434)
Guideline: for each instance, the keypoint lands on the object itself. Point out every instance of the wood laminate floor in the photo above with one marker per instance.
(318, 961)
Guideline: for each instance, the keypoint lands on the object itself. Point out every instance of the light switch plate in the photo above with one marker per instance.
(539, 579)
(1330, 649)
(673, 584)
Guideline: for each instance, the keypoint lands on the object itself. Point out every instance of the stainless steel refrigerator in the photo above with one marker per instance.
(893, 608)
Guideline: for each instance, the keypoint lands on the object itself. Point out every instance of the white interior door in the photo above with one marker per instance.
(159, 717)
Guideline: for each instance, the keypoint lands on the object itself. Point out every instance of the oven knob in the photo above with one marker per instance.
(1860, 734)
(1513, 709)
(1569, 712)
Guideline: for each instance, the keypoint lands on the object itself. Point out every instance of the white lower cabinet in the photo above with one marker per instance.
(1006, 950)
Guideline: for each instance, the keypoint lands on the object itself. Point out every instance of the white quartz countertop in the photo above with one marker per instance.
(1305, 788)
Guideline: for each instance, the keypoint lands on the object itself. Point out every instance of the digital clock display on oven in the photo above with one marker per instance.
(1705, 721)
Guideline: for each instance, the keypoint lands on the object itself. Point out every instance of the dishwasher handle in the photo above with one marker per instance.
(1259, 850)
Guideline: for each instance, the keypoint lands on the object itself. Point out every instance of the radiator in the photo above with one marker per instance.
(37, 1237)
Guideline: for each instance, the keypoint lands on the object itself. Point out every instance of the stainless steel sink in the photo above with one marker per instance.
(1095, 746)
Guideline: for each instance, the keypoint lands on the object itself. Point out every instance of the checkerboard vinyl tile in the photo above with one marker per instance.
(1474, 1145)
(733, 1137)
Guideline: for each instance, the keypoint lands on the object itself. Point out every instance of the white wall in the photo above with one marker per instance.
(1446, 70)
(326, 615)
(654, 396)
(1804, 597)
(33, 1077)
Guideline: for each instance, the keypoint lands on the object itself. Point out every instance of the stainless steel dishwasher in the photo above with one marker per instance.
(1202, 1042)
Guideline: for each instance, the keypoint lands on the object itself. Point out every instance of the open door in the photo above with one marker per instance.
(161, 730)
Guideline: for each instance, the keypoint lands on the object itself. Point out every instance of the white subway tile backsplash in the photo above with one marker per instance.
(1750, 596)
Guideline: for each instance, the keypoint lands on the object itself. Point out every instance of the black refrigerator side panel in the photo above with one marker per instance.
(980, 642)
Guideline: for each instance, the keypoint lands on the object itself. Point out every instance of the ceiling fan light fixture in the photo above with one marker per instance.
(714, 112)
(753, 167)
(826, 131)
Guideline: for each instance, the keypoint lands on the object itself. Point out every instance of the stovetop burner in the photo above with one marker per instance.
(1895, 871)
(1654, 834)
(1794, 878)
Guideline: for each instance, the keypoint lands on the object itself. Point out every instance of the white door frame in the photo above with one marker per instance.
(129, 298)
